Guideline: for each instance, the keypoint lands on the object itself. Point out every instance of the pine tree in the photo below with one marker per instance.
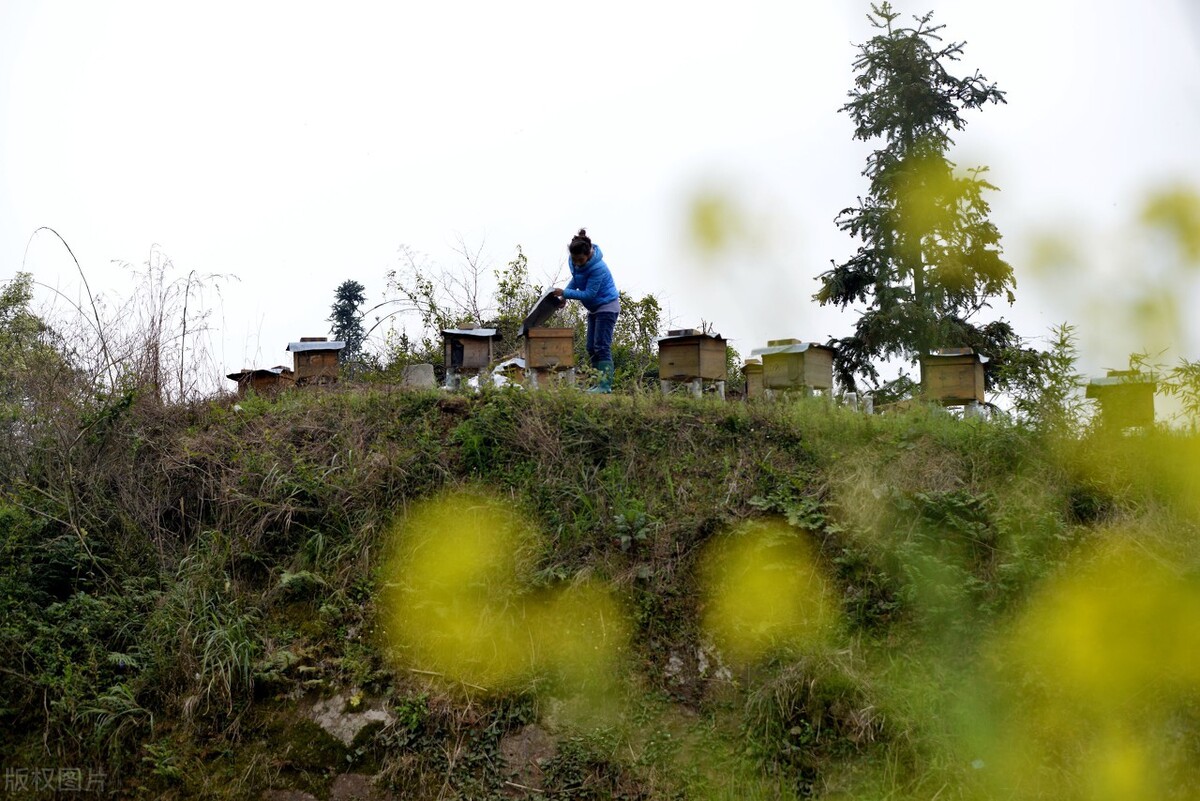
(930, 258)
(346, 318)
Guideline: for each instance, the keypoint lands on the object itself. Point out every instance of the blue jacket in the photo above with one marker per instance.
(592, 284)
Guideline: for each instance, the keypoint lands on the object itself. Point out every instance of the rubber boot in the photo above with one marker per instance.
(604, 387)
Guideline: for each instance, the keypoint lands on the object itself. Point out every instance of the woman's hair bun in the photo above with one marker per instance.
(581, 244)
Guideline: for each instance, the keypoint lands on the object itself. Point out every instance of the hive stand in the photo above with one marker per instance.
(690, 356)
(855, 402)
(538, 378)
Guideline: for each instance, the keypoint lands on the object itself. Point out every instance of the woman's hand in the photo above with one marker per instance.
(558, 294)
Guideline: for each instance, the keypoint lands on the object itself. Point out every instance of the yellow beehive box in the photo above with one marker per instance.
(688, 354)
(315, 360)
(753, 371)
(263, 381)
(953, 376)
(793, 364)
(550, 347)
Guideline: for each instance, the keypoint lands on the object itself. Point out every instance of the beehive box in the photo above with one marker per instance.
(1126, 398)
(263, 381)
(512, 372)
(468, 348)
(688, 354)
(953, 376)
(315, 360)
(753, 371)
(549, 347)
(793, 364)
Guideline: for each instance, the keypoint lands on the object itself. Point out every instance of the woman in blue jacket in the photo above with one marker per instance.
(592, 285)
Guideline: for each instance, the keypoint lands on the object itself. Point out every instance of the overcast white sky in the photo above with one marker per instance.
(296, 145)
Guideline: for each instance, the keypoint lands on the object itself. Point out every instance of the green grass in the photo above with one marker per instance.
(172, 610)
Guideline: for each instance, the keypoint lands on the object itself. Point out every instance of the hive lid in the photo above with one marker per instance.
(278, 369)
(515, 363)
(687, 333)
(542, 310)
(941, 353)
(777, 346)
(1116, 378)
(302, 345)
(483, 333)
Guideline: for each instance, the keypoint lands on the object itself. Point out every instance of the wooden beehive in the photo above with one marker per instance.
(1126, 398)
(793, 364)
(953, 376)
(689, 354)
(753, 371)
(468, 348)
(262, 381)
(549, 347)
(315, 360)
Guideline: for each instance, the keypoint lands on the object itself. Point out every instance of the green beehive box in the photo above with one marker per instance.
(794, 364)
(1126, 398)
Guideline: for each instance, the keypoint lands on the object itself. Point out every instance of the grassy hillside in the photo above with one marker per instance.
(230, 602)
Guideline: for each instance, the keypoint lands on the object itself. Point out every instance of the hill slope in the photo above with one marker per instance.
(681, 599)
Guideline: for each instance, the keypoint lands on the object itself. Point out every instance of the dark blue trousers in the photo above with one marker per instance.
(600, 327)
